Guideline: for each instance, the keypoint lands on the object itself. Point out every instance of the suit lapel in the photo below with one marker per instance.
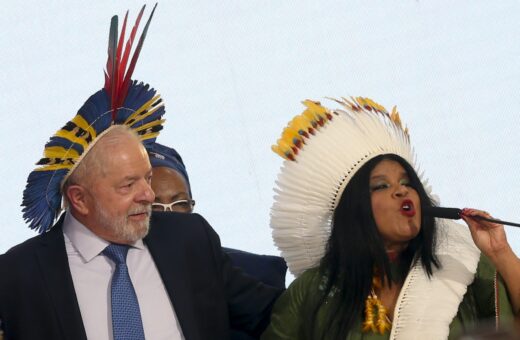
(171, 261)
(54, 265)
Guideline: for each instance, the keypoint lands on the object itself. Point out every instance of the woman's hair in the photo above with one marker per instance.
(355, 248)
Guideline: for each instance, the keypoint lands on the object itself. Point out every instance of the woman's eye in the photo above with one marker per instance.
(182, 203)
(405, 182)
(377, 187)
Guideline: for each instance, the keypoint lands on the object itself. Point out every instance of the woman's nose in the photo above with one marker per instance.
(401, 191)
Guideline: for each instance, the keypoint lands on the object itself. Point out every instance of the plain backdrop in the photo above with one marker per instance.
(233, 73)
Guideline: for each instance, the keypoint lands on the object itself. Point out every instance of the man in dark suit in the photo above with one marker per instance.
(51, 288)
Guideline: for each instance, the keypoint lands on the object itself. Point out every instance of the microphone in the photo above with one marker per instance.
(455, 214)
(450, 213)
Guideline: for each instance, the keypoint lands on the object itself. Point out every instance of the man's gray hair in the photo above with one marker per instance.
(92, 166)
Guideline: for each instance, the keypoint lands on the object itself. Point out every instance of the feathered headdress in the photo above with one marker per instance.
(121, 101)
(323, 150)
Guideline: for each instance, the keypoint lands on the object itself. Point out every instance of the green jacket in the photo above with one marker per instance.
(478, 304)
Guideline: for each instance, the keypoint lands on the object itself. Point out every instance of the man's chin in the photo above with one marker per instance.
(142, 230)
(136, 231)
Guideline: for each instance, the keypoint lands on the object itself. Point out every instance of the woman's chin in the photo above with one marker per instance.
(401, 239)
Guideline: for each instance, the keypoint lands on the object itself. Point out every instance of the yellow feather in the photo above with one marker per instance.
(360, 101)
(54, 167)
(277, 149)
(149, 136)
(301, 123)
(60, 152)
(284, 146)
(310, 115)
(134, 117)
(375, 105)
(71, 135)
(149, 125)
(143, 116)
(395, 118)
(315, 107)
(82, 123)
(289, 134)
(394, 110)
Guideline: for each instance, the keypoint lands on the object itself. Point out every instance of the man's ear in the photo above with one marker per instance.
(78, 198)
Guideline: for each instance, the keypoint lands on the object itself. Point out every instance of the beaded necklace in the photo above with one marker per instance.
(376, 314)
(383, 322)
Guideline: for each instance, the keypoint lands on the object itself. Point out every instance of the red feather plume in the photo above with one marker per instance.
(117, 76)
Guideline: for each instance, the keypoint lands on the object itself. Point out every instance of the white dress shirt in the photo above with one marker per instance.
(92, 272)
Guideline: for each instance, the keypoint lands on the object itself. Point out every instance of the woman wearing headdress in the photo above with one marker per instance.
(369, 265)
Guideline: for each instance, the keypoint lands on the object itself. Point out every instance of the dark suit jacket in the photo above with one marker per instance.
(268, 269)
(38, 301)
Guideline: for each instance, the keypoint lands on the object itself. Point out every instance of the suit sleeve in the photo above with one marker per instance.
(249, 301)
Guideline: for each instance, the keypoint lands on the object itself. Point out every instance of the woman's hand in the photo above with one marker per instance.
(489, 237)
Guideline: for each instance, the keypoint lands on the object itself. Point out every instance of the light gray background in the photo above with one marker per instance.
(232, 73)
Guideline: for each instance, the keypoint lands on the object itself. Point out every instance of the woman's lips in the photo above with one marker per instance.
(407, 208)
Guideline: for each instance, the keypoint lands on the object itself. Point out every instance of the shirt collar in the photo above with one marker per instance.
(88, 244)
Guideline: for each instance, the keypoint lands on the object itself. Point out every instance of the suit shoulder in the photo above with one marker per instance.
(23, 248)
(175, 221)
(18, 263)
(55, 234)
(188, 227)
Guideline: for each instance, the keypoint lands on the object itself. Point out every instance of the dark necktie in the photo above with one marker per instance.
(126, 316)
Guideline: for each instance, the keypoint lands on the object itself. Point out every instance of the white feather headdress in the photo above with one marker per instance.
(323, 149)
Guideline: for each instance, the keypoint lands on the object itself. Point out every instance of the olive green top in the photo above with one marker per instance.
(478, 305)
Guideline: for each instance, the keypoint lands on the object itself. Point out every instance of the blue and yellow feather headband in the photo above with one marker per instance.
(122, 101)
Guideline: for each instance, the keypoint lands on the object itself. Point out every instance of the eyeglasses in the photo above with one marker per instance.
(185, 206)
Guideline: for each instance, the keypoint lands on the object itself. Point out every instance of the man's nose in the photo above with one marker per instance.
(146, 194)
